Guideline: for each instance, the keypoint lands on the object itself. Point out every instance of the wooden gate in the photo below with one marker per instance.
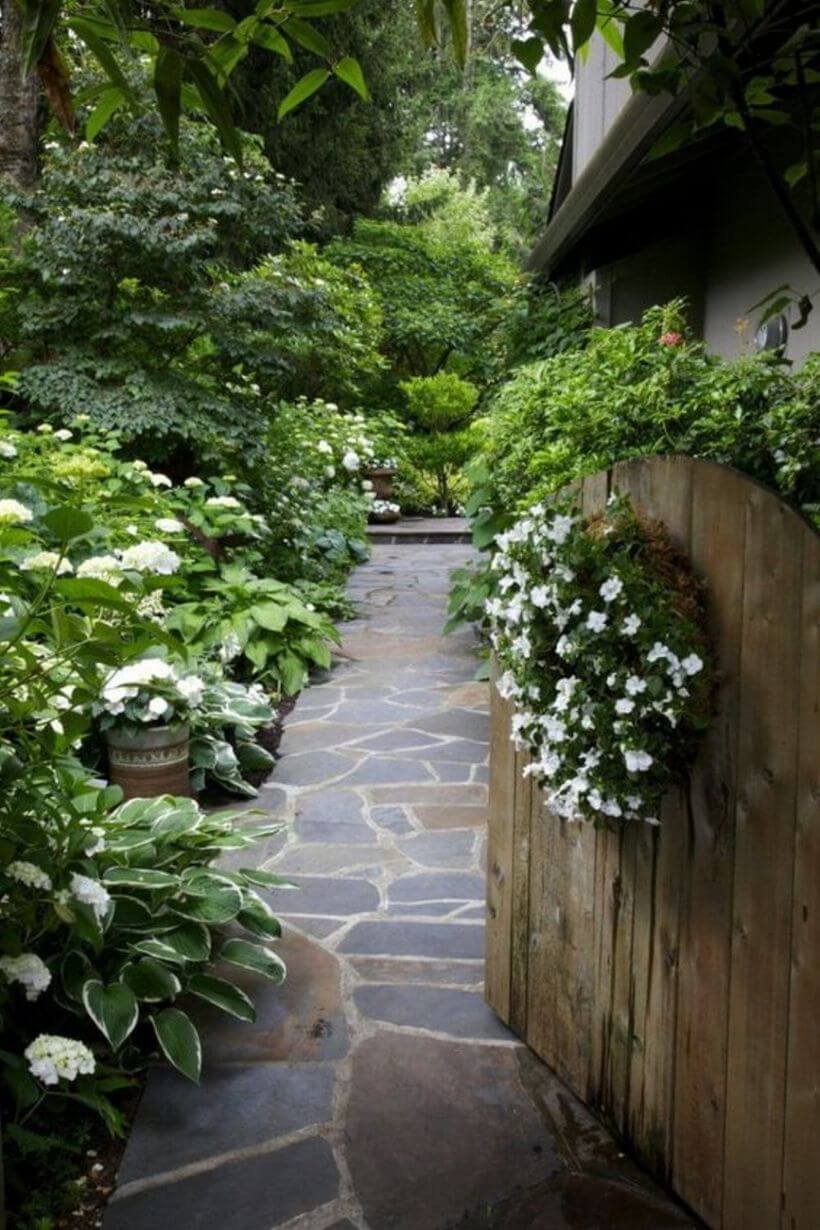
(671, 976)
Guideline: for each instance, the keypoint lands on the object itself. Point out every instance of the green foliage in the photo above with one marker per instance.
(645, 389)
(223, 736)
(440, 406)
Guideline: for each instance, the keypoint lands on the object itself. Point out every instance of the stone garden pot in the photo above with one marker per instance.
(382, 480)
(384, 518)
(149, 762)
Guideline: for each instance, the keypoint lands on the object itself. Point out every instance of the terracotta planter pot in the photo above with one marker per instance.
(150, 762)
(382, 481)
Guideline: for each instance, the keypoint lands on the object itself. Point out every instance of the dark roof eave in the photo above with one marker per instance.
(642, 120)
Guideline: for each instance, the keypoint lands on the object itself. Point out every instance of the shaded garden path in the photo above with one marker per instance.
(376, 1089)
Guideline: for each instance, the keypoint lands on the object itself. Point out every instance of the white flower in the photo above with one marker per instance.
(161, 480)
(193, 482)
(540, 596)
(46, 561)
(12, 511)
(558, 529)
(350, 461)
(658, 651)
(92, 893)
(597, 620)
(610, 589)
(169, 525)
(102, 567)
(367, 485)
(139, 465)
(45, 429)
(158, 707)
(230, 648)
(64, 434)
(52, 1058)
(29, 874)
(631, 625)
(624, 705)
(222, 501)
(637, 762)
(692, 664)
(324, 447)
(330, 471)
(635, 684)
(192, 689)
(151, 557)
(7, 449)
(29, 970)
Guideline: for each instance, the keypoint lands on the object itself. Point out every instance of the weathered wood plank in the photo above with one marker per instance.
(547, 892)
(764, 865)
(500, 856)
(718, 531)
(801, 1172)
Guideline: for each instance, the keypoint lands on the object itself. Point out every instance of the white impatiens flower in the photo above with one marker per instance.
(102, 568)
(610, 589)
(29, 970)
(29, 874)
(624, 705)
(151, 557)
(351, 461)
(52, 1058)
(192, 689)
(91, 892)
(7, 449)
(597, 621)
(692, 664)
(12, 512)
(46, 561)
(636, 761)
(169, 525)
(540, 596)
(634, 685)
(631, 625)
(157, 708)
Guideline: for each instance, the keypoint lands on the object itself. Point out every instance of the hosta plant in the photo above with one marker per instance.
(598, 630)
(224, 727)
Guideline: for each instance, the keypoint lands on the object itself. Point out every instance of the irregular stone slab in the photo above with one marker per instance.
(394, 819)
(475, 695)
(443, 849)
(432, 886)
(384, 770)
(398, 740)
(451, 817)
(333, 816)
(415, 939)
(463, 722)
(582, 1202)
(455, 1130)
(460, 1014)
(320, 858)
(432, 795)
(314, 736)
(430, 909)
(452, 772)
(374, 712)
(430, 973)
(309, 768)
(464, 751)
(318, 927)
(301, 1020)
(327, 895)
(233, 1107)
(253, 1193)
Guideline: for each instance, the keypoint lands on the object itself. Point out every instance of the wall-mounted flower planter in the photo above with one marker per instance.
(150, 762)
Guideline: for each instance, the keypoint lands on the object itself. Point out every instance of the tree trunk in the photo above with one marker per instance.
(19, 104)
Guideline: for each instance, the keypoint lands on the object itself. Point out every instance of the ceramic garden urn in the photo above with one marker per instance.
(150, 762)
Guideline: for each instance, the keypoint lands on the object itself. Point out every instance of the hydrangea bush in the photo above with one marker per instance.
(597, 625)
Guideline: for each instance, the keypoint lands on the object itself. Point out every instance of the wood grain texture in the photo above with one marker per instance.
(500, 856)
(672, 976)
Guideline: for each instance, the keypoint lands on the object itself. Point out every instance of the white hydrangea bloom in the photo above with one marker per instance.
(324, 448)
(151, 557)
(222, 501)
(52, 1058)
(29, 970)
(102, 568)
(12, 512)
(29, 874)
(46, 561)
(350, 461)
(161, 480)
(7, 449)
(91, 892)
(193, 482)
(169, 525)
(64, 434)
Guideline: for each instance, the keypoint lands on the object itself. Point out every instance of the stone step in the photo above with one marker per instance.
(421, 529)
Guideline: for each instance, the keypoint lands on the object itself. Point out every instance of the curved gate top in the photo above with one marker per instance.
(672, 976)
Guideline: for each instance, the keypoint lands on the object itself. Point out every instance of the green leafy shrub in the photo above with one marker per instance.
(441, 407)
(224, 727)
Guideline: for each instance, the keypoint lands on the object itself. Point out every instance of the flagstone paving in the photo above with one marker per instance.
(376, 1089)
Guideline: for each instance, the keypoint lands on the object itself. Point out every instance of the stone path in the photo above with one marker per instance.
(376, 1090)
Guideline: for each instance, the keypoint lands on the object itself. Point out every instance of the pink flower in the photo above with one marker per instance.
(671, 338)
